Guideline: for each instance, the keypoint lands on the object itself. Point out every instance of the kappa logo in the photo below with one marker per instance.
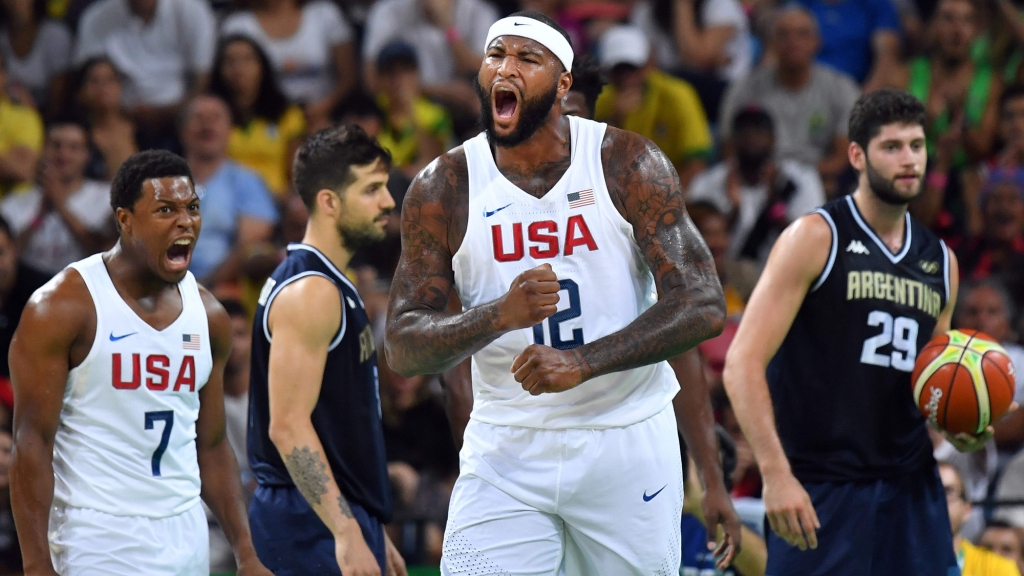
(929, 267)
(857, 247)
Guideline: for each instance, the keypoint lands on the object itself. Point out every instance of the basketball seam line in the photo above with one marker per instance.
(1009, 382)
(952, 383)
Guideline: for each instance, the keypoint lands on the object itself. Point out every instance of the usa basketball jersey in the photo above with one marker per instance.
(840, 382)
(605, 285)
(126, 440)
(347, 416)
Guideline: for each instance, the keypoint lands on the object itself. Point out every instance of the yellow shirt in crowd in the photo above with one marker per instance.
(401, 140)
(19, 126)
(263, 147)
(976, 561)
(671, 115)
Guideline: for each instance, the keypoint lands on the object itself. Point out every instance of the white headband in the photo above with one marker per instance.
(534, 30)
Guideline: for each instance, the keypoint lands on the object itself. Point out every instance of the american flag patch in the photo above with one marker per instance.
(581, 198)
(190, 341)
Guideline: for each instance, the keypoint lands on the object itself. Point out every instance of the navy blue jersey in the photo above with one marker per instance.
(840, 382)
(347, 413)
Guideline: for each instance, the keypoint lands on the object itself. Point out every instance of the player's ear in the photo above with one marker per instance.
(564, 84)
(858, 156)
(123, 216)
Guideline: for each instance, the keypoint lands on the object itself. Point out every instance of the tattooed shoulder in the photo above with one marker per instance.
(439, 198)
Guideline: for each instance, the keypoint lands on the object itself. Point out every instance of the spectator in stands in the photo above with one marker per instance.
(361, 109)
(973, 560)
(21, 139)
(65, 216)
(961, 95)
(237, 208)
(860, 38)
(738, 277)
(644, 100)
(164, 49)
(236, 419)
(17, 283)
(759, 195)
(986, 306)
(37, 51)
(448, 36)
(999, 250)
(809, 102)
(1004, 540)
(112, 134)
(422, 460)
(415, 129)
(266, 130)
(1003, 44)
(587, 82)
(310, 45)
(1011, 129)
(710, 35)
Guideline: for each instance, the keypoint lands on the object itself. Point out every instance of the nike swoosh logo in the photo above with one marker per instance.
(520, 24)
(493, 212)
(116, 338)
(651, 497)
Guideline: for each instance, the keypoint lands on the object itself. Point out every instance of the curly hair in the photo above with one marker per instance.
(880, 108)
(126, 189)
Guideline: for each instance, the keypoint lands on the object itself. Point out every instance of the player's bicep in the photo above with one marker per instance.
(39, 361)
(424, 276)
(796, 263)
(301, 337)
(650, 197)
(945, 320)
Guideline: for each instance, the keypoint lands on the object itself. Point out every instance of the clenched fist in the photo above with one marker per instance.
(532, 297)
(543, 369)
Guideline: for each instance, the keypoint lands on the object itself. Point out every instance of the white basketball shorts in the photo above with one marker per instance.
(579, 502)
(85, 542)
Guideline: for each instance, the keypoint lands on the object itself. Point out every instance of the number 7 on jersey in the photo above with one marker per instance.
(151, 419)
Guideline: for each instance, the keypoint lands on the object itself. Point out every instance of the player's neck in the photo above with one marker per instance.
(550, 143)
(132, 276)
(323, 235)
(887, 220)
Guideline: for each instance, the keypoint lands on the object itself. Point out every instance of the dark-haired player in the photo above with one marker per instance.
(587, 83)
(558, 236)
(850, 293)
(316, 444)
(118, 371)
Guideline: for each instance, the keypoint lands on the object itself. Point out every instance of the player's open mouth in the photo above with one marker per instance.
(505, 102)
(179, 254)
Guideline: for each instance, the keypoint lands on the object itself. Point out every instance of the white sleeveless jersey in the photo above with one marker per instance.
(126, 440)
(605, 286)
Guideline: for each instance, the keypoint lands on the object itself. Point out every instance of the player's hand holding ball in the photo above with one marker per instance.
(963, 382)
(353, 555)
(532, 297)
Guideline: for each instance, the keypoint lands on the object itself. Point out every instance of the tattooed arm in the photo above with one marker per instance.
(302, 336)
(422, 337)
(646, 190)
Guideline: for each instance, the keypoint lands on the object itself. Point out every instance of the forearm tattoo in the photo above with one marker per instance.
(309, 472)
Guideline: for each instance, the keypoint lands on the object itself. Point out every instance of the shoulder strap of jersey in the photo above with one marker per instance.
(833, 250)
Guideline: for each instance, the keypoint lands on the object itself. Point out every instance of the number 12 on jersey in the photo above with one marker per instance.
(901, 332)
(554, 330)
(151, 419)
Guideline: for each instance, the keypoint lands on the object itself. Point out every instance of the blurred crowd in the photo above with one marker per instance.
(749, 99)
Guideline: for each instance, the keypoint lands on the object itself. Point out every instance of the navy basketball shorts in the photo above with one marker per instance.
(893, 527)
(291, 540)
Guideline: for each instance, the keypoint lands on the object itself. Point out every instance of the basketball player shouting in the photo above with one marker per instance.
(557, 234)
(849, 295)
(118, 368)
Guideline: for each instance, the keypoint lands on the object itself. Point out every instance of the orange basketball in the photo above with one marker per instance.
(963, 381)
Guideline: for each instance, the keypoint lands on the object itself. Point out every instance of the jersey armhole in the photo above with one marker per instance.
(832, 250)
(945, 267)
(277, 290)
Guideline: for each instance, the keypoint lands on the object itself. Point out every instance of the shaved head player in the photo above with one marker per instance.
(580, 274)
(118, 373)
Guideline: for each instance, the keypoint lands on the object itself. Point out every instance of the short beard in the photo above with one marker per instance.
(885, 189)
(533, 115)
(356, 237)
